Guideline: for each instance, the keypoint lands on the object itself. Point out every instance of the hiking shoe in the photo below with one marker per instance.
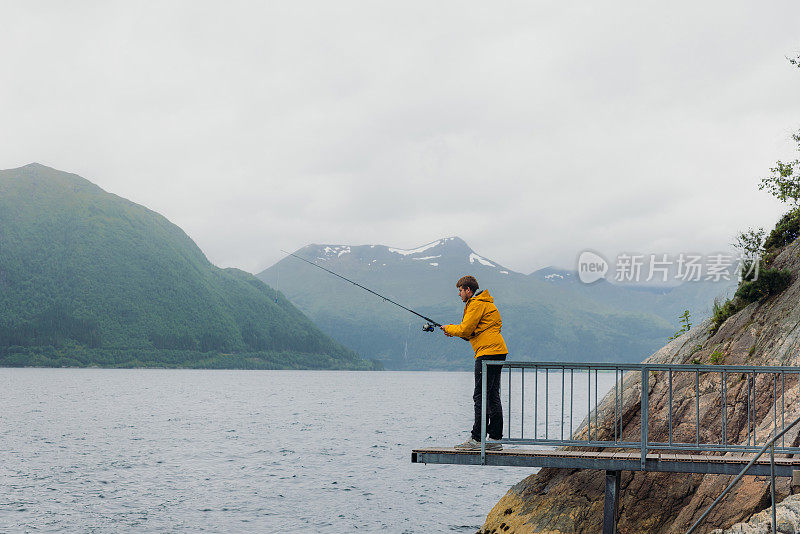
(469, 445)
(493, 445)
(474, 445)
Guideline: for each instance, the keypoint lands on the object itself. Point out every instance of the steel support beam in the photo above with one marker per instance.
(592, 460)
(610, 507)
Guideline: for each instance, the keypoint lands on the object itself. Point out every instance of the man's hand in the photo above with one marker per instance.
(443, 330)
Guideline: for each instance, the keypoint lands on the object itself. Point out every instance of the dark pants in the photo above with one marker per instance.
(494, 410)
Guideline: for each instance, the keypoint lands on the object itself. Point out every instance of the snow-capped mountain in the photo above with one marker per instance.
(547, 315)
(442, 253)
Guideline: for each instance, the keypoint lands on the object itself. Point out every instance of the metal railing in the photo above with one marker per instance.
(768, 445)
(730, 389)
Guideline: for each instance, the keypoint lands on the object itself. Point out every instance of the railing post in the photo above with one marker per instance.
(522, 408)
(697, 404)
(644, 411)
(772, 486)
(484, 368)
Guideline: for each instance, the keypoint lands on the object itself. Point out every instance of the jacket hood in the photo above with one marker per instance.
(482, 295)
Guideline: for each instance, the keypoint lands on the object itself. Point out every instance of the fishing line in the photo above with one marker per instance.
(277, 279)
(427, 327)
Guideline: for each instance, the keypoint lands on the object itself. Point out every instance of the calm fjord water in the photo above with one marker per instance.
(99, 450)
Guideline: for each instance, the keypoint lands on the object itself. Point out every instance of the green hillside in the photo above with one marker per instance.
(89, 278)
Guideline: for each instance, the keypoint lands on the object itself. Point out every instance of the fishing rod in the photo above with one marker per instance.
(429, 327)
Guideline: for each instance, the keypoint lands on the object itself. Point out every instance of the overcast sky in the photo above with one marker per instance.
(533, 130)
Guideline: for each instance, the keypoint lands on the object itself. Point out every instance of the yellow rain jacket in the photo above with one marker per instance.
(480, 326)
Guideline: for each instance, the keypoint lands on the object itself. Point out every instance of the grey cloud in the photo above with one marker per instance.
(532, 131)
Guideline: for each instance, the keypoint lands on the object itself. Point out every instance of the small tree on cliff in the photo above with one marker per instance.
(784, 182)
(757, 279)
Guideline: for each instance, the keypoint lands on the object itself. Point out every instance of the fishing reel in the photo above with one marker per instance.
(428, 327)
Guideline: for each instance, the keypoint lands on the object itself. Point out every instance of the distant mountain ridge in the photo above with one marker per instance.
(90, 278)
(548, 314)
(551, 273)
(448, 249)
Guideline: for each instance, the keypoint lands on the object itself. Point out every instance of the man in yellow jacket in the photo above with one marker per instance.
(481, 325)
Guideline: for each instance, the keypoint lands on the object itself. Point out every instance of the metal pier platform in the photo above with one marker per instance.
(729, 445)
(609, 461)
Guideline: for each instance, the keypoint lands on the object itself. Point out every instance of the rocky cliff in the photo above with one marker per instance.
(787, 514)
(765, 332)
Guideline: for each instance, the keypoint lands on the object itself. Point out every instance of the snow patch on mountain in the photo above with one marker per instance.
(435, 264)
(480, 259)
(554, 275)
(428, 257)
(408, 252)
(338, 251)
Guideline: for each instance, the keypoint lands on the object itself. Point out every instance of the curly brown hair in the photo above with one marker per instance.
(468, 282)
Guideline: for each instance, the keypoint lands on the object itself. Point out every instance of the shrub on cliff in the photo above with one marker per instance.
(769, 282)
(786, 231)
(722, 310)
(752, 289)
